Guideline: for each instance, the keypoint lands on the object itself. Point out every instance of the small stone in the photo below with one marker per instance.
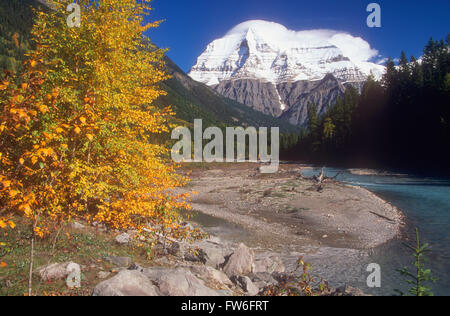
(119, 261)
(103, 275)
(136, 267)
(76, 225)
(57, 271)
(246, 284)
(123, 239)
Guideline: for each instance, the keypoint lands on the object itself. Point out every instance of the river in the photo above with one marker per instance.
(426, 205)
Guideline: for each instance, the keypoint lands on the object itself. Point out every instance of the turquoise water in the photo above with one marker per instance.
(426, 204)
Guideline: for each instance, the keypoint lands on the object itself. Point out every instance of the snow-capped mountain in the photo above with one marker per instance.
(253, 62)
(269, 51)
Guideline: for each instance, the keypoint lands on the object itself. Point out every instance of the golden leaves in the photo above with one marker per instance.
(43, 108)
(4, 223)
(52, 120)
(4, 85)
(18, 99)
(6, 184)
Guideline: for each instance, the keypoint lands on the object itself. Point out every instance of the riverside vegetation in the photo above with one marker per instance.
(78, 123)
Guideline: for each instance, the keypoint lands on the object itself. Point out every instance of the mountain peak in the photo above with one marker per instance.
(256, 26)
(269, 51)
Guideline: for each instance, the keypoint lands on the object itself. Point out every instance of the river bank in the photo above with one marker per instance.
(283, 213)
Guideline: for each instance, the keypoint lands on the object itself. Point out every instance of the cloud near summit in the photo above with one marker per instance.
(356, 48)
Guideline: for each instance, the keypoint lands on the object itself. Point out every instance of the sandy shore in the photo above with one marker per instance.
(284, 211)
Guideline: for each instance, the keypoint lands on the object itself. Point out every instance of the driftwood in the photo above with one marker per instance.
(383, 217)
(321, 179)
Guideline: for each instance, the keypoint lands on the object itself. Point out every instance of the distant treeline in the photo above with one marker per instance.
(16, 21)
(403, 121)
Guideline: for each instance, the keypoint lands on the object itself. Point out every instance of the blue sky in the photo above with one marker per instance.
(192, 24)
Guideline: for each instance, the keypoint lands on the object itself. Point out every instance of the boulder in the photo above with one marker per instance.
(127, 283)
(178, 282)
(268, 265)
(240, 262)
(123, 239)
(246, 284)
(212, 275)
(210, 253)
(57, 271)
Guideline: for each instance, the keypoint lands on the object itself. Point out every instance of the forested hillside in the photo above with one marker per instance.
(193, 100)
(16, 20)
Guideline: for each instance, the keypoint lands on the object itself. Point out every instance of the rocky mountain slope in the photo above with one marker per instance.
(278, 71)
(195, 100)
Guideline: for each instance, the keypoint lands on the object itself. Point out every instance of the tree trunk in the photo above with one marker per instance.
(30, 272)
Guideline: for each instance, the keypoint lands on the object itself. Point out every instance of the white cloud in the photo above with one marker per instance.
(382, 61)
(355, 48)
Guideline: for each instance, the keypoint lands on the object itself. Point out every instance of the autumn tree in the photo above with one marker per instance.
(78, 127)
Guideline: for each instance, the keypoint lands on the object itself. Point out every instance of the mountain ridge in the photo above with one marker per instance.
(270, 68)
(270, 52)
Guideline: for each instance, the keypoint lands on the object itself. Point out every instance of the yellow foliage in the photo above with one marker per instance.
(92, 155)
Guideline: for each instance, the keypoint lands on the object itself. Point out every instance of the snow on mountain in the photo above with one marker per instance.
(270, 52)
